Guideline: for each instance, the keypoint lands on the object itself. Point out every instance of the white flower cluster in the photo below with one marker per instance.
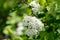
(31, 32)
(33, 25)
(19, 29)
(36, 6)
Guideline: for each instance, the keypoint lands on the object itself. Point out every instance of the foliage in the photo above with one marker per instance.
(13, 11)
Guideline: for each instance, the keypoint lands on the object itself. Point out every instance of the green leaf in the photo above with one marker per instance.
(58, 30)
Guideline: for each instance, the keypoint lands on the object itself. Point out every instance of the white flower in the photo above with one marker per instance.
(36, 6)
(31, 32)
(19, 29)
(33, 23)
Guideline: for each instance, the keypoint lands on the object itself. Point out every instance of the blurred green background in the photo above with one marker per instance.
(13, 11)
